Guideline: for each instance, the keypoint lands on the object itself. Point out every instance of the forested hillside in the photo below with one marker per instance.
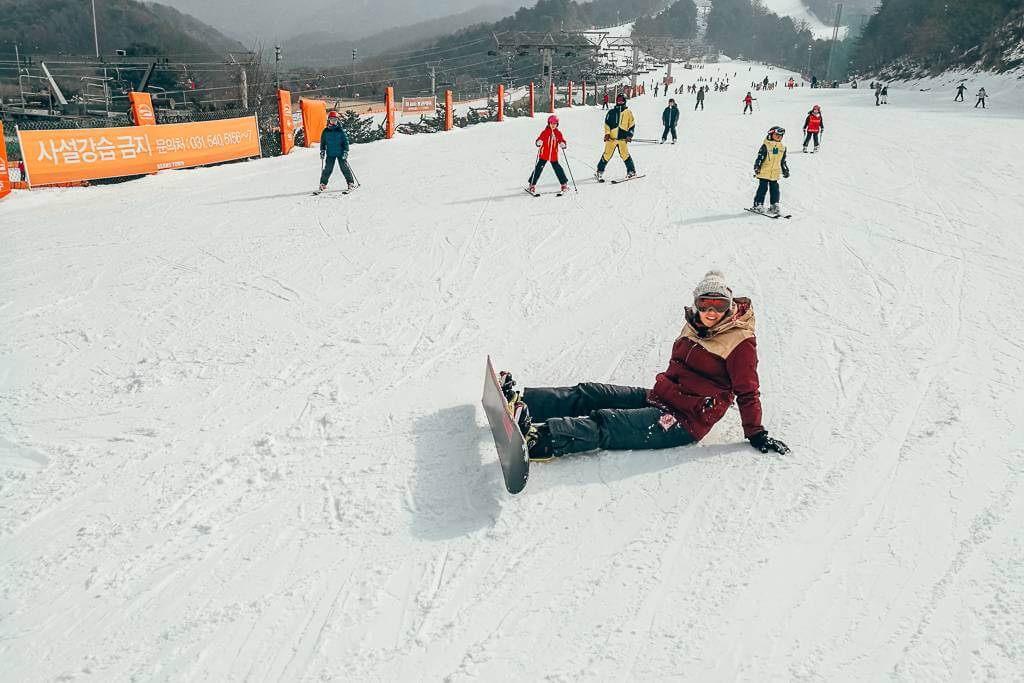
(933, 35)
(64, 27)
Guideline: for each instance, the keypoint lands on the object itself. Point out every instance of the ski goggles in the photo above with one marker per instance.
(712, 303)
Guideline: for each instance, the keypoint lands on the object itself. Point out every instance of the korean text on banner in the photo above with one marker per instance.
(412, 105)
(314, 119)
(5, 179)
(284, 113)
(142, 108)
(65, 156)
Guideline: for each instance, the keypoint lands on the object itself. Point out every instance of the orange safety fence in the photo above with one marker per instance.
(74, 155)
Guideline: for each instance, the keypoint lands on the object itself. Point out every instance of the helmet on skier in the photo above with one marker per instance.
(815, 108)
(620, 98)
(332, 116)
(776, 130)
(552, 119)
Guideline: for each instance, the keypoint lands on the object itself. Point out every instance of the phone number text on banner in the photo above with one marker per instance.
(63, 156)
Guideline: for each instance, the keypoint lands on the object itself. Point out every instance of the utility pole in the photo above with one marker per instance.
(835, 39)
(433, 80)
(21, 91)
(95, 32)
(636, 65)
(355, 53)
(277, 62)
(809, 48)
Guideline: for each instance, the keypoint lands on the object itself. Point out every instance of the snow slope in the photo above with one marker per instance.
(240, 434)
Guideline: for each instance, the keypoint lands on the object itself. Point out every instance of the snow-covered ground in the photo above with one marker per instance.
(799, 12)
(240, 434)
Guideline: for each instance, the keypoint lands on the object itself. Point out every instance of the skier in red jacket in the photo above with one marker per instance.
(549, 141)
(713, 362)
(814, 126)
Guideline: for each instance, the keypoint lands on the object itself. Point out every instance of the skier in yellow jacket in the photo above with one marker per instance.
(769, 165)
(618, 132)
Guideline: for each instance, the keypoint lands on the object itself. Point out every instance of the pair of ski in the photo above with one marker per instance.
(537, 194)
(773, 216)
(623, 180)
(317, 193)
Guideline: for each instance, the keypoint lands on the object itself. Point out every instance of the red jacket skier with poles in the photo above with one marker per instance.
(549, 142)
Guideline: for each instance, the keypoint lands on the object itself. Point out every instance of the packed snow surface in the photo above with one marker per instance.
(240, 433)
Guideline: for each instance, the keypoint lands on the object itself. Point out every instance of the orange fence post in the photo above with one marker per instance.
(284, 114)
(142, 108)
(5, 180)
(447, 109)
(531, 99)
(583, 92)
(501, 101)
(389, 107)
(551, 99)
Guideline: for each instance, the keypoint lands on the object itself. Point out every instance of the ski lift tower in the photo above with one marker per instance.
(521, 44)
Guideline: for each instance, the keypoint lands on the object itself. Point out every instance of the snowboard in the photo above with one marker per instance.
(768, 215)
(513, 453)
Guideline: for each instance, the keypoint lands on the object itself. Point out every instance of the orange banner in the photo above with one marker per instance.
(142, 108)
(389, 108)
(448, 110)
(63, 156)
(5, 178)
(501, 101)
(314, 119)
(284, 113)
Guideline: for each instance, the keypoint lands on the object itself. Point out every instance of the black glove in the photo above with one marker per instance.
(785, 174)
(323, 154)
(764, 443)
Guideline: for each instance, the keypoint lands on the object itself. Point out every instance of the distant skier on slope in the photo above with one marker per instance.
(885, 94)
(713, 362)
(814, 125)
(748, 103)
(982, 95)
(700, 99)
(549, 141)
(618, 133)
(334, 146)
(768, 167)
(670, 117)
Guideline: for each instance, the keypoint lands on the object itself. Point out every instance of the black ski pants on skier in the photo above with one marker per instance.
(669, 129)
(763, 188)
(346, 170)
(748, 107)
(535, 176)
(589, 416)
(959, 97)
(807, 138)
(700, 103)
(981, 101)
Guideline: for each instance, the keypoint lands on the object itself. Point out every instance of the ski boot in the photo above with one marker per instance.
(351, 186)
(539, 444)
(565, 188)
(805, 149)
(773, 210)
(815, 149)
(323, 186)
(600, 176)
(630, 174)
(757, 208)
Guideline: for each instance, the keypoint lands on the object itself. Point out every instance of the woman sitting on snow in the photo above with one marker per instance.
(713, 361)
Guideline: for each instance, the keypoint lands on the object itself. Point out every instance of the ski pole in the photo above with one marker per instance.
(569, 168)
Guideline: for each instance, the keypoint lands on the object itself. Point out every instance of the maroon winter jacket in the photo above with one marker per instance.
(707, 369)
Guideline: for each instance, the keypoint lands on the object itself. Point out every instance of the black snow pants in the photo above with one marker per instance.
(670, 128)
(535, 176)
(748, 107)
(590, 416)
(346, 170)
(763, 187)
(807, 138)
(981, 101)
(700, 103)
